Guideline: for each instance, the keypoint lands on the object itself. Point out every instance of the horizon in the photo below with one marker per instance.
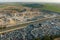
(42, 1)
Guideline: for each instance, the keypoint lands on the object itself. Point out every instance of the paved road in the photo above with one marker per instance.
(22, 25)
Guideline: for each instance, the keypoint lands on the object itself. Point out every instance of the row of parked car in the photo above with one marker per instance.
(34, 30)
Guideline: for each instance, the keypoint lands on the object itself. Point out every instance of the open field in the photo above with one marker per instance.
(46, 6)
(52, 7)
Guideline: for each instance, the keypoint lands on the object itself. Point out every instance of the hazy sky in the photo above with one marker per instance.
(55, 1)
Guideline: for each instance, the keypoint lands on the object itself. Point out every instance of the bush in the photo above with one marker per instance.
(37, 39)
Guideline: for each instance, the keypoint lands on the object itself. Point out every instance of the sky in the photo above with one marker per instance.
(53, 1)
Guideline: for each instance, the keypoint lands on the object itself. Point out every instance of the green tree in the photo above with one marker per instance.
(37, 39)
(47, 37)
